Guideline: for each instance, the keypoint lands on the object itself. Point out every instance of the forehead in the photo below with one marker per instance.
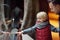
(54, 4)
(51, 4)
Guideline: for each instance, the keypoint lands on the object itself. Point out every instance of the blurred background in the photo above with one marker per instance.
(24, 11)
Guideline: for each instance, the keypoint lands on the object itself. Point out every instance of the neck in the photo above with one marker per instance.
(44, 23)
(59, 13)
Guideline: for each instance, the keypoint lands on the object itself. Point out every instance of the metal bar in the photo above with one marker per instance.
(26, 2)
(2, 13)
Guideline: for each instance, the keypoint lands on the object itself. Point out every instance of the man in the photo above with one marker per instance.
(55, 7)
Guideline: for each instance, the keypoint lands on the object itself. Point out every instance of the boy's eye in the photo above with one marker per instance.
(38, 18)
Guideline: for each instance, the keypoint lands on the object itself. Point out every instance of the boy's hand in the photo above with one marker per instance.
(19, 33)
(6, 33)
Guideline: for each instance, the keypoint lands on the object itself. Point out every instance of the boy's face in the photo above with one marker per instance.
(40, 19)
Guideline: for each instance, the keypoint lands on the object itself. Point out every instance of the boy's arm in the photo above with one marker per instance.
(54, 29)
(31, 29)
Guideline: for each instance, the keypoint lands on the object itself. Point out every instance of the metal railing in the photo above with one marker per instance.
(13, 35)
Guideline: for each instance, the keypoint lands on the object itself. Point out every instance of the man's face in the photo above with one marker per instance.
(54, 8)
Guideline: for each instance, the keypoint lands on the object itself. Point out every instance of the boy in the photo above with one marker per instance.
(41, 28)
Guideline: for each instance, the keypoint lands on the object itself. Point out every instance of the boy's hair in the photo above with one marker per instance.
(54, 1)
(42, 14)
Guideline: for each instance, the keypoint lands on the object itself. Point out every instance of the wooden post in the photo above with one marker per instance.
(30, 10)
(31, 7)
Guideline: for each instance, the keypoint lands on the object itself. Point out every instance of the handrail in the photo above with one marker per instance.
(2, 13)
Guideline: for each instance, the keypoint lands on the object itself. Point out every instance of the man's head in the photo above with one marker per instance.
(42, 16)
(54, 5)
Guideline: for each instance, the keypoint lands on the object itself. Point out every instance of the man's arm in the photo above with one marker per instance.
(54, 29)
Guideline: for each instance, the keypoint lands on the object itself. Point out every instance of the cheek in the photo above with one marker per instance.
(55, 10)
